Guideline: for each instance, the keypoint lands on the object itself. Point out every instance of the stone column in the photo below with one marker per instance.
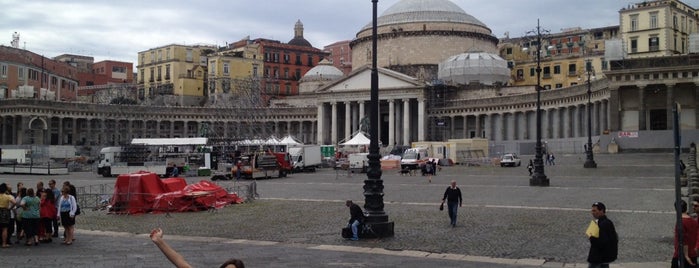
(60, 131)
(465, 122)
(361, 110)
(642, 110)
(74, 132)
(406, 121)
(669, 104)
(452, 128)
(333, 123)
(348, 119)
(320, 120)
(420, 119)
(511, 128)
(577, 122)
(172, 129)
(391, 122)
(477, 123)
(103, 134)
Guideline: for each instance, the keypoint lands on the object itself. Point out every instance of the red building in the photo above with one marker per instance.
(340, 54)
(284, 64)
(25, 74)
(108, 72)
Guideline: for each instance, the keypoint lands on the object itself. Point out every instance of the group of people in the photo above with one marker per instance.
(33, 214)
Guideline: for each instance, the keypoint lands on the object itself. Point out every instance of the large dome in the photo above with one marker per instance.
(323, 71)
(409, 11)
(479, 67)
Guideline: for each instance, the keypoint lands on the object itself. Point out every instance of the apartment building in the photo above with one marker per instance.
(340, 54)
(229, 71)
(173, 70)
(25, 74)
(565, 56)
(657, 28)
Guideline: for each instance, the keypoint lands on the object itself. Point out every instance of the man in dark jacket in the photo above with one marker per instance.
(454, 200)
(603, 249)
(356, 218)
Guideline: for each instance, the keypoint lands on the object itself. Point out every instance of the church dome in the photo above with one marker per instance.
(298, 39)
(479, 67)
(412, 11)
(323, 71)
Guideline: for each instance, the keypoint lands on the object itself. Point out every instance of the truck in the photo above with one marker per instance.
(259, 166)
(111, 163)
(358, 162)
(306, 157)
(412, 157)
(157, 155)
(16, 156)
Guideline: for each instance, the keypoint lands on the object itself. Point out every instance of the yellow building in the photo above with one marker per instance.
(173, 70)
(564, 56)
(657, 28)
(228, 68)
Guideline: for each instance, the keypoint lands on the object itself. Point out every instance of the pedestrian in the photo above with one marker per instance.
(68, 207)
(31, 217)
(356, 218)
(434, 167)
(690, 228)
(6, 202)
(57, 195)
(156, 235)
(552, 159)
(604, 241)
(530, 167)
(454, 200)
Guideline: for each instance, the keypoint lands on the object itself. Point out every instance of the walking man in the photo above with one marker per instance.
(356, 218)
(603, 244)
(453, 197)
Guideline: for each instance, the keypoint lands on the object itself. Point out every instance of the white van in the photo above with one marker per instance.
(412, 156)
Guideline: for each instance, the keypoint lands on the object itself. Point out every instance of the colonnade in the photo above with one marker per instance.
(401, 120)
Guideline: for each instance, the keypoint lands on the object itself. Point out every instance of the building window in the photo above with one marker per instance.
(532, 71)
(572, 69)
(276, 57)
(212, 67)
(674, 20)
(143, 58)
(167, 71)
(634, 22)
(276, 72)
(254, 71)
(634, 45)
(152, 74)
(508, 51)
(547, 72)
(226, 68)
(298, 59)
(298, 74)
(160, 55)
(152, 56)
(286, 73)
(653, 20)
(143, 76)
(160, 73)
(266, 72)
(557, 69)
(653, 43)
(310, 60)
(20, 73)
(288, 90)
(118, 69)
(286, 58)
(559, 85)
(604, 64)
(3, 71)
(167, 53)
(520, 74)
(188, 56)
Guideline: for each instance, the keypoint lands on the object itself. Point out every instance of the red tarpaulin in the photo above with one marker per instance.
(145, 192)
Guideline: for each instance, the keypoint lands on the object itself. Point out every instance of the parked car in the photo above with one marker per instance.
(510, 160)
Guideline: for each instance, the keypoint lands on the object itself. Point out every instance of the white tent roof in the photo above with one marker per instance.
(272, 141)
(169, 141)
(288, 140)
(358, 139)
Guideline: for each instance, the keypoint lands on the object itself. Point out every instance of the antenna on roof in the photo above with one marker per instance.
(15, 40)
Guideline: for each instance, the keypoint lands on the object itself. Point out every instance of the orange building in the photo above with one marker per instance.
(340, 54)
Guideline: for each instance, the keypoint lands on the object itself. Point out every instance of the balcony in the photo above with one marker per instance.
(654, 48)
(546, 76)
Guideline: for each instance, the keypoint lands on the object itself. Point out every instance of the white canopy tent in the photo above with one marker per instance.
(358, 139)
(289, 140)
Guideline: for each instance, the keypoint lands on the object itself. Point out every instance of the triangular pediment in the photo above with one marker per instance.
(360, 80)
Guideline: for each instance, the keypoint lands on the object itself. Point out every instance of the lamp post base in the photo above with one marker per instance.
(377, 227)
(539, 180)
(590, 164)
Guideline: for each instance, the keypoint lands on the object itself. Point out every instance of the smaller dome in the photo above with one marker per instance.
(479, 67)
(300, 41)
(324, 71)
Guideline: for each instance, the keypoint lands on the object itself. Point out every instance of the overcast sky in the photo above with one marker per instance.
(118, 30)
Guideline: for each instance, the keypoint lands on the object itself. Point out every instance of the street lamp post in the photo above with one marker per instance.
(590, 159)
(376, 218)
(538, 177)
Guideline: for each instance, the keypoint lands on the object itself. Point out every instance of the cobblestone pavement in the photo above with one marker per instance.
(297, 220)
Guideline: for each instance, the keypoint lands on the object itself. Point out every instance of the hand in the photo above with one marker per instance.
(156, 234)
(689, 260)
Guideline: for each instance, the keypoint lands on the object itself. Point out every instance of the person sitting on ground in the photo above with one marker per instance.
(356, 218)
(156, 235)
